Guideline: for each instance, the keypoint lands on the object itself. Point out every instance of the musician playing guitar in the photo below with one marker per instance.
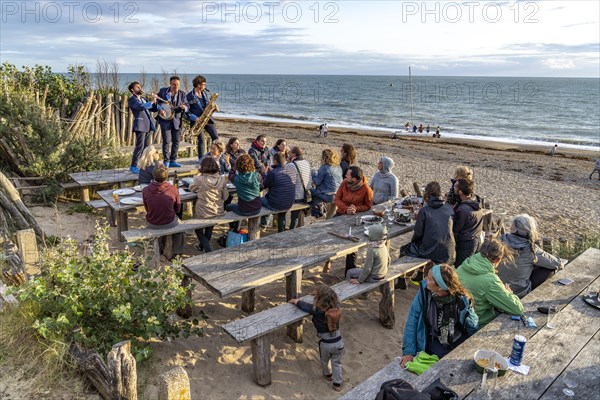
(197, 100)
(171, 105)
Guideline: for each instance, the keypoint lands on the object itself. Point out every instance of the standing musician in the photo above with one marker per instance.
(169, 120)
(142, 122)
(197, 100)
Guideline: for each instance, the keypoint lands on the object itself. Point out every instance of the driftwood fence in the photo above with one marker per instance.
(107, 119)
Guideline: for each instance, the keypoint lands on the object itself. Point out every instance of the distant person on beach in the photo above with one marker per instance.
(437, 132)
(596, 169)
(347, 157)
(170, 129)
(415, 128)
(384, 183)
(427, 129)
(326, 314)
(468, 221)
(142, 122)
(490, 295)
(197, 101)
(146, 164)
(396, 135)
(531, 266)
(323, 130)
(462, 172)
(553, 150)
(407, 126)
(421, 128)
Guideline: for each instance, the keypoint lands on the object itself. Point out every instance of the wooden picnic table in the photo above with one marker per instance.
(241, 269)
(574, 345)
(120, 209)
(122, 176)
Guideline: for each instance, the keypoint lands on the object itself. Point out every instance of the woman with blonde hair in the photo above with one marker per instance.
(146, 164)
(479, 276)
(441, 316)
(327, 180)
(531, 265)
(462, 172)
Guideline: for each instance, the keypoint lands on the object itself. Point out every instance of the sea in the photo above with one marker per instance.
(546, 111)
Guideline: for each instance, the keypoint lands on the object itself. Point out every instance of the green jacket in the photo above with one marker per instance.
(477, 275)
(376, 263)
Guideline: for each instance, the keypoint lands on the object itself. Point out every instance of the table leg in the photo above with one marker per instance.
(84, 194)
(254, 228)
(248, 301)
(261, 360)
(301, 218)
(386, 305)
(122, 224)
(293, 290)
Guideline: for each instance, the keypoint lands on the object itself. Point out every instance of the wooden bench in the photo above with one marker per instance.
(100, 204)
(257, 327)
(141, 234)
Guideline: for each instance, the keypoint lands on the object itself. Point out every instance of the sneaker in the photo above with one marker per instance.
(199, 247)
(166, 164)
(329, 377)
(400, 284)
(174, 164)
(337, 387)
(134, 170)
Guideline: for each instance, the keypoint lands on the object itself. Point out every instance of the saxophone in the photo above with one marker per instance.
(203, 119)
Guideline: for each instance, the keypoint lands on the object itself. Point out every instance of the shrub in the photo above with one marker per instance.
(101, 298)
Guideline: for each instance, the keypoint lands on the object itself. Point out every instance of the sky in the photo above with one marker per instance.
(437, 38)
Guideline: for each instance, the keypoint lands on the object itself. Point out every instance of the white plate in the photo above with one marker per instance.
(183, 191)
(133, 201)
(124, 192)
(230, 186)
(140, 187)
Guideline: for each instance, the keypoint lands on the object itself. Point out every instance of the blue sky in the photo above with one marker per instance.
(477, 38)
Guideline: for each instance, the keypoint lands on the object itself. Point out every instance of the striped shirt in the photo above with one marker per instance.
(304, 167)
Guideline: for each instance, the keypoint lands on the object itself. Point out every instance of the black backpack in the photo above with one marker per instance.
(399, 389)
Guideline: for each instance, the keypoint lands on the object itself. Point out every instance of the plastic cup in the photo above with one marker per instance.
(550, 323)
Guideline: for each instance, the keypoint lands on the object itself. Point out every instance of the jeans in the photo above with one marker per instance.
(204, 235)
(294, 216)
(170, 141)
(142, 140)
(466, 249)
(235, 226)
(280, 216)
(201, 145)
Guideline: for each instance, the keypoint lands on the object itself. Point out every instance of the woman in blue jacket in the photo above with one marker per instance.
(327, 180)
(441, 316)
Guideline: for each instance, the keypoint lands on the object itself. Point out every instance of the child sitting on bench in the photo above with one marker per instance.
(377, 261)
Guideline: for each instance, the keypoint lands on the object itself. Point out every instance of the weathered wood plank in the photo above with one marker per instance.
(277, 317)
(261, 360)
(293, 290)
(370, 387)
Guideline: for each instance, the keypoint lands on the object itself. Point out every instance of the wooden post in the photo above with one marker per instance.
(84, 194)
(27, 247)
(108, 120)
(168, 250)
(253, 228)
(417, 189)
(16, 203)
(249, 301)
(156, 253)
(122, 224)
(293, 290)
(123, 370)
(63, 110)
(97, 126)
(130, 137)
(261, 360)
(386, 305)
(90, 126)
(116, 123)
(301, 218)
(123, 113)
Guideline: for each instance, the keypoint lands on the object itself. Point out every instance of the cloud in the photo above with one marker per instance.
(556, 63)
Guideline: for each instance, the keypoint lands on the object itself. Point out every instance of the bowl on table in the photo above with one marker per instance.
(481, 359)
(371, 219)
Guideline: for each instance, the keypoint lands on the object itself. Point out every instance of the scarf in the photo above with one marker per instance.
(358, 185)
(444, 315)
(257, 145)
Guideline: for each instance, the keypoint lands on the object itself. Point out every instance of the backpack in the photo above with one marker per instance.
(399, 389)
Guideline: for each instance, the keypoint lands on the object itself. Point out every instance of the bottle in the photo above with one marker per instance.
(176, 180)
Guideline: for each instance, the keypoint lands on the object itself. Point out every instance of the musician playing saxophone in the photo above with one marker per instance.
(197, 100)
(172, 99)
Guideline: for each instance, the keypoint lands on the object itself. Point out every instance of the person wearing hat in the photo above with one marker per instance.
(384, 183)
(377, 260)
(441, 316)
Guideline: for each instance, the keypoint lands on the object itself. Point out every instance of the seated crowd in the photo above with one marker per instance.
(472, 279)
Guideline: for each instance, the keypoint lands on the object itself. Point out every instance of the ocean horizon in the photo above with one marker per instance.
(542, 111)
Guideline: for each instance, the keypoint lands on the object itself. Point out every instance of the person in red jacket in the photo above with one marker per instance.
(162, 203)
(353, 196)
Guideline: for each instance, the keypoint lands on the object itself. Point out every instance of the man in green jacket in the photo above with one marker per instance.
(478, 275)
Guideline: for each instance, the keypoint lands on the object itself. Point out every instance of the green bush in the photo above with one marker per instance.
(101, 298)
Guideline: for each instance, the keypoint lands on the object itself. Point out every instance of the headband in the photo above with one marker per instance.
(436, 271)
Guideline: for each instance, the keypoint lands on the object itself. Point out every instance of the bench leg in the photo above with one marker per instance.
(189, 208)
(293, 290)
(248, 301)
(190, 151)
(386, 305)
(254, 228)
(301, 218)
(261, 360)
(110, 216)
(168, 250)
(156, 253)
(84, 194)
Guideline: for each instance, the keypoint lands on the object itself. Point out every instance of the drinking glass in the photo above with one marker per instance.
(485, 389)
(551, 314)
(569, 379)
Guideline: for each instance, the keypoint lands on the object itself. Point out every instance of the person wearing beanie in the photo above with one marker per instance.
(384, 183)
(377, 261)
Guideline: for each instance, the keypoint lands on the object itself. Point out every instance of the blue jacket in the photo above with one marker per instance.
(141, 108)
(165, 93)
(282, 191)
(414, 339)
(327, 181)
(196, 106)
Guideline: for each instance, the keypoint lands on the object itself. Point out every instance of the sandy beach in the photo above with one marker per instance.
(514, 179)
